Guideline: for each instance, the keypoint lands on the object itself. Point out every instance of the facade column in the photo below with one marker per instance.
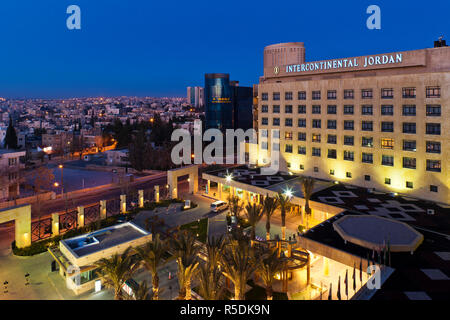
(102, 209)
(156, 190)
(55, 224)
(141, 198)
(219, 190)
(326, 266)
(80, 216)
(208, 186)
(123, 203)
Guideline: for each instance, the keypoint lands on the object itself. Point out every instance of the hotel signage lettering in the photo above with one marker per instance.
(364, 62)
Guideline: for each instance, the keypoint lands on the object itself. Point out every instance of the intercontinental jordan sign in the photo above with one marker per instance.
(358, 62)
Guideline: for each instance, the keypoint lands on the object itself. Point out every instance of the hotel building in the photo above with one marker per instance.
(378, 121)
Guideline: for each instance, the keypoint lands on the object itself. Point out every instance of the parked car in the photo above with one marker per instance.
(218, 206)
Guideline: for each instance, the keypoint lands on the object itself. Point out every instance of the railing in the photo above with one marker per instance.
(41, 229)
(68, 221)
(91, 213)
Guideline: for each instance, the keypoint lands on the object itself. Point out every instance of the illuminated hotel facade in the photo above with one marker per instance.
(379, 121)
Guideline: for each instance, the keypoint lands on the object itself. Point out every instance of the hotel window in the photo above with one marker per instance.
(264, 133)
(367, 177)
(367, 157)
(265, 109)
(433, 110)
(301, 109)
(387, 126)
(348, 109)
(367, 142)
(387, 93)
(409, 93)
(288, 122)
(433, 188)
(276, 96)
(332, 139)
(433, 128)
(276, 134)
(276, 121)
(288, 109)
(331, 94)
(409, 184)
(409, 110)
(301, 150)
(367, 126)
(387, 143)
(315, 137)
(367, 109)
(331, 172)
(316, 95)
(349, 155)
(316, 123)
(331, 109)
(315, 109)
(302, 123)
(276, 146)
(409, 145)
(276, 109)
(302, 167)
(331, 124)
(288, 148)
(349, 125)
(332, 153)
(265, 96)
(265, 121)
(316, 169)
(387, 110)
(349, 140)
(366, 94)
(264, 145)
(433, 92)
(409, 127)
(288, 95)
(409, 163)
(433, 147)
(288, 135)
(302, 95)
(349, 94)
(302, 136)
(387, 180)
(348, 174)
(434, 165)
(387, 160)
(316, 152)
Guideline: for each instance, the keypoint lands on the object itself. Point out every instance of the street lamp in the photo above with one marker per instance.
(62, 181)
(288, 193)
(228, 177)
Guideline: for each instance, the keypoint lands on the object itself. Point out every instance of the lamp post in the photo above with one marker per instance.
(62, 181)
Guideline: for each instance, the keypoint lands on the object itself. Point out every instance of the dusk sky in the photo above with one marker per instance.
(157, 48)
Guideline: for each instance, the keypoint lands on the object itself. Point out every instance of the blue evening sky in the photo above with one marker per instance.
(157, 48)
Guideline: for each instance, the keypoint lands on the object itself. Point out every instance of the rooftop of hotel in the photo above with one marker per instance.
(103, 239)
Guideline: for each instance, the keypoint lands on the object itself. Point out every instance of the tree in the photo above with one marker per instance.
(307, 189)
(116, 270)
(137, 151)
(254, 213)
(284, 204)
(270, 205)
(185, 251)
(269, 264)
(152, 258)
(143, 292)
(214, 249)
(235, 205)
(237, 265)
(210, 282)
(11, 136)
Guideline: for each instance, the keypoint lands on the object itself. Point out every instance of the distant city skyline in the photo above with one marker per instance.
(157, 49)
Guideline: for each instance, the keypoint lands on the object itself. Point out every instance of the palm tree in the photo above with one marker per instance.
(270, 205)
(210, 282)
(235, 205)
(185, 251)
(214, 249)
(284, 204)
(143, 292)
(268, 265)
(307, 189)
(116, 270)
(237, 264)
(254, 213)
(152, 257)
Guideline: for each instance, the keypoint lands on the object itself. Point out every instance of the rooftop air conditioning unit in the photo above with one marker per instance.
(430, 211)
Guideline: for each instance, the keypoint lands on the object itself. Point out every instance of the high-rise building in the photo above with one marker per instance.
(195, 96)
(378, 121)
(227, 105)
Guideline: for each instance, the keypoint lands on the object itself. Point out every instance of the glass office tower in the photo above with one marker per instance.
(218, 101)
